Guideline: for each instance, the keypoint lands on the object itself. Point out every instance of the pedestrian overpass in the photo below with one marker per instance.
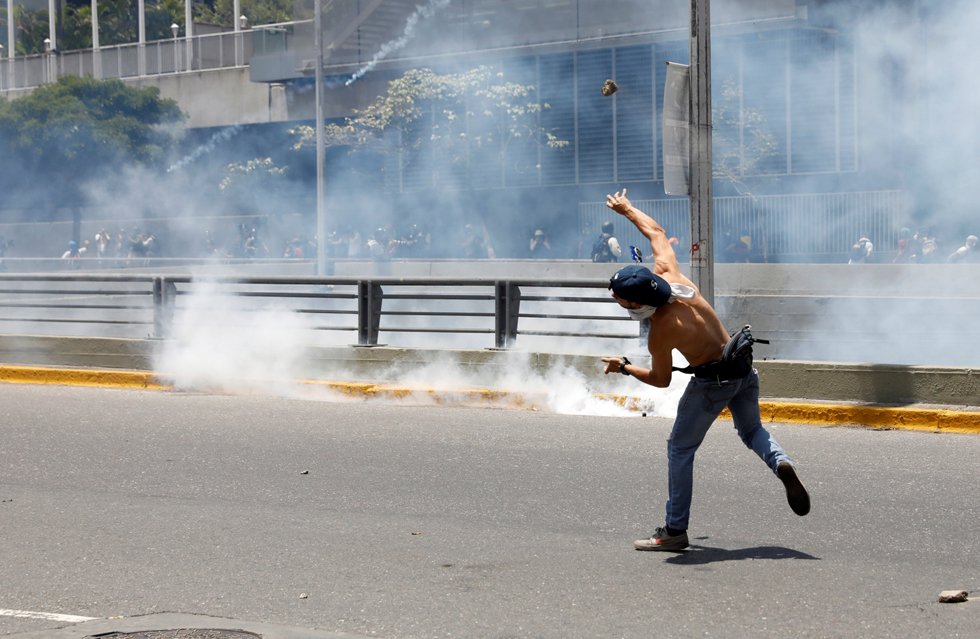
(208, 74)
(264, 74)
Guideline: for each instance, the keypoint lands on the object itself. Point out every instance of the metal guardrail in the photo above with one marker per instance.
(119, 303)
(226, 50)
(93, 264)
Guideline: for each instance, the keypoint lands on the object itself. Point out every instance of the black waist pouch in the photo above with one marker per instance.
(735, 362)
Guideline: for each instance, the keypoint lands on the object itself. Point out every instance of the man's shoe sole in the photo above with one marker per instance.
(668, 547)
(796, 493)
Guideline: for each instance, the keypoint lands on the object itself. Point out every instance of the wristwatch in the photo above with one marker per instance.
(622, 367)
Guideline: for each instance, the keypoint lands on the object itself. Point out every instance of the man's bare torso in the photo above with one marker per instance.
(690, 326)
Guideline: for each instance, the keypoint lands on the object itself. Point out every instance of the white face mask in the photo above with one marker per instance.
(677, 292)
(642, 313)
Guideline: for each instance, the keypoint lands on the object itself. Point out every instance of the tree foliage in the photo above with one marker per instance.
(79, 127)
(742, 142)
(255, 176)
(257, 11)
(459, 115)
(31, 30)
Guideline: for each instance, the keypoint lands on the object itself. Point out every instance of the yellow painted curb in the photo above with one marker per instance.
(445, 397)
(906, 418)
(82, 377)
(785, 412)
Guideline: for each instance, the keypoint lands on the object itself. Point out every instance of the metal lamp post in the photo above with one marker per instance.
(49, 67)
(174, 28)
(321, 179)
(240, 40)
(2, 64)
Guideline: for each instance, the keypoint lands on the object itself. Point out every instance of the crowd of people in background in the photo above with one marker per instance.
(471, 241)
(923, 247)
(122, 247)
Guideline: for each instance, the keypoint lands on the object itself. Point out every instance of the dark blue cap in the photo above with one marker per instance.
(635, 283)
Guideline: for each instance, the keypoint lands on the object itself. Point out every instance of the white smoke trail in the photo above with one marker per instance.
(426, 11)
(222, 135)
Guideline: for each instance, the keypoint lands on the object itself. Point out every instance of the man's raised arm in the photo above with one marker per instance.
(663, 252)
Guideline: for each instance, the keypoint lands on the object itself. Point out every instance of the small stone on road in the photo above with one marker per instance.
(953, 596)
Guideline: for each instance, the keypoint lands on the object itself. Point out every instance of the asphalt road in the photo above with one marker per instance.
(124, 503)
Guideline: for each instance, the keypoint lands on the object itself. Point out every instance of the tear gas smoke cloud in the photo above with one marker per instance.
(421, 11)
(225, 343)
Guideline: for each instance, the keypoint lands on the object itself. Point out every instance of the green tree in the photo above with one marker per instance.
(159, 17)
(460, 115)
(32, 30)
(76, 24)
(77, 128)
(257, 11)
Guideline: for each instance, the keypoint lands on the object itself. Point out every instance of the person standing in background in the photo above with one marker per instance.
(861, 251)
(540, 247)
(906, 248)
(969, 253)
(606, 247)
(73, 256)
(927, 246)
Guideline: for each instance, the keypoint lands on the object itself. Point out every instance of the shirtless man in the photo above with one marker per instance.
(680, 318)
(966, 253)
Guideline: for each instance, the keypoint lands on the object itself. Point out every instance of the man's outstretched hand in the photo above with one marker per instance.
(618, 202)
(613, 365)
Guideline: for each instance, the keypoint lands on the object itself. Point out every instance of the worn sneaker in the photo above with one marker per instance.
(662, 541)
(796, 494)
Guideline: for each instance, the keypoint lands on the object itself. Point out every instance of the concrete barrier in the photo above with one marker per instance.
(797, 381)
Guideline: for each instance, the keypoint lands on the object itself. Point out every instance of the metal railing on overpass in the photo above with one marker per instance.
(225, 50)
(96, 264)
(119, 305)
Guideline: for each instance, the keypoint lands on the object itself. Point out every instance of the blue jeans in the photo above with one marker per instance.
(701, 404)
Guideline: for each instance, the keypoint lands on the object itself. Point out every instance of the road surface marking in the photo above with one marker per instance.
(50, 616)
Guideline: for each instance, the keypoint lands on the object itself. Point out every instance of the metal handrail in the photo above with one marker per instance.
(133, 59)
(368, 294)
